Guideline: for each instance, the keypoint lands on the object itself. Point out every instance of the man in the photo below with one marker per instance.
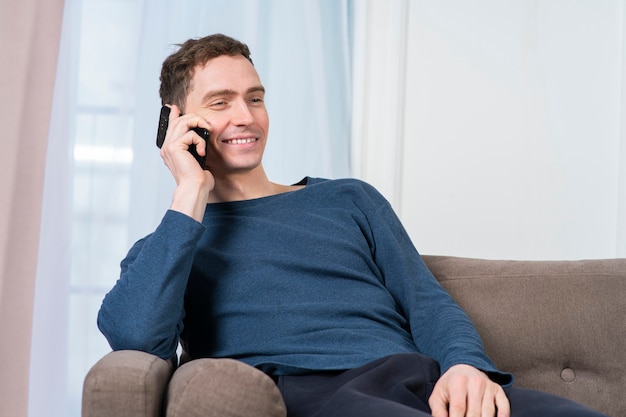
(316, 284)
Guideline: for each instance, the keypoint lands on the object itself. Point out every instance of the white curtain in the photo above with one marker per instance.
(105, 183)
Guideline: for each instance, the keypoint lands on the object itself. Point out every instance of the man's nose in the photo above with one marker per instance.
(242, 115)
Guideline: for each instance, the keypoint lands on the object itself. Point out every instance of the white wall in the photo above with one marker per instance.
(496, 128)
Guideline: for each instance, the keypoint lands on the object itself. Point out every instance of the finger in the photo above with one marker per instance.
(200, 142)
(458, 407)
(175, 147)
(489, 403)
(201, 122)
(466, 396)
(174, 111)
(184, 128)
(191, 121)
(173, 123)
(438, 406)
(438, 400)
(502, 403)
(476, 398)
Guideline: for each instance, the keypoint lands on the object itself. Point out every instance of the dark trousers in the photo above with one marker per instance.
(398, 386)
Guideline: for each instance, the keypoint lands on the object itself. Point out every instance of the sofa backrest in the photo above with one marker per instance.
(558, 326)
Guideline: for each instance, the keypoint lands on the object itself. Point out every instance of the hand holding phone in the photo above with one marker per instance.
(162, 130)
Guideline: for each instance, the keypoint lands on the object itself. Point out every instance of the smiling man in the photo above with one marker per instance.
(315, 284)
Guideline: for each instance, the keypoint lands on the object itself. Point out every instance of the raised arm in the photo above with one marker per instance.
(144, 310)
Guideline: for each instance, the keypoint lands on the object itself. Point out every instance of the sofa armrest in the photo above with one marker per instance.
(126, 383)
(222, 387)
(558, 326)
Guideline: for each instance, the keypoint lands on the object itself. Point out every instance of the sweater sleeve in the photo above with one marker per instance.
(439, 327)
(144, 310)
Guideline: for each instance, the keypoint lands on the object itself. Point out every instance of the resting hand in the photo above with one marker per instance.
(464, 391)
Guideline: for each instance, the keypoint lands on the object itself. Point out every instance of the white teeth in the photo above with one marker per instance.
(240, 141)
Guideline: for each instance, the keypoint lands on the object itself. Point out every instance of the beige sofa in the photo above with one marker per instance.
(559, 326)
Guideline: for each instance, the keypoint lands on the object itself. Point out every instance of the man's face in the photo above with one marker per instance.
(228, 93)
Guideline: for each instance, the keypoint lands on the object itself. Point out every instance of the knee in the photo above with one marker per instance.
(529, 402)
(224, 388)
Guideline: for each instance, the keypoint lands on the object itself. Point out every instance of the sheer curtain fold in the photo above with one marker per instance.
(29, 39)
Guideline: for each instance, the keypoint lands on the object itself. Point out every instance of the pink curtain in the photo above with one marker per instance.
(29, 43)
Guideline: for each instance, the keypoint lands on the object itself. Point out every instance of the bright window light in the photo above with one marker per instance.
(103, 154)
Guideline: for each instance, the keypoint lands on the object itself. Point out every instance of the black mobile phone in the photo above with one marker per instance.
(163, 121)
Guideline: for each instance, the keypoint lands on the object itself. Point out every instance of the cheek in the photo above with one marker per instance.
(262, 120)
(217, 129)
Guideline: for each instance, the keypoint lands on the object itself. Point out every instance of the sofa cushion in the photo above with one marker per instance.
(558, 326)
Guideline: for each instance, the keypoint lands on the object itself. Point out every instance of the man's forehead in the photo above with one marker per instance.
(226, 61)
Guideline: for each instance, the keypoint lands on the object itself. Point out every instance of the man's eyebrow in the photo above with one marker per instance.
(256, 89)
(228, 92)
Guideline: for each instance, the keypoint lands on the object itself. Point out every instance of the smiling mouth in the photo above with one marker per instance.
(239, 141)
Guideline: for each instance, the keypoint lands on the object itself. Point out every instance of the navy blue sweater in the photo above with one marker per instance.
(323, 278)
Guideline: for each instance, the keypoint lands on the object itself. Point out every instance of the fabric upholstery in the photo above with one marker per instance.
(222, 388)
(126, 383)
(558, 326)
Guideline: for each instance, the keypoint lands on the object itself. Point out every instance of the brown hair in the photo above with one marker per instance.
(178, 68)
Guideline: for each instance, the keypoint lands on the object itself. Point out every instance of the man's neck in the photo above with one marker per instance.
(243, 186)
